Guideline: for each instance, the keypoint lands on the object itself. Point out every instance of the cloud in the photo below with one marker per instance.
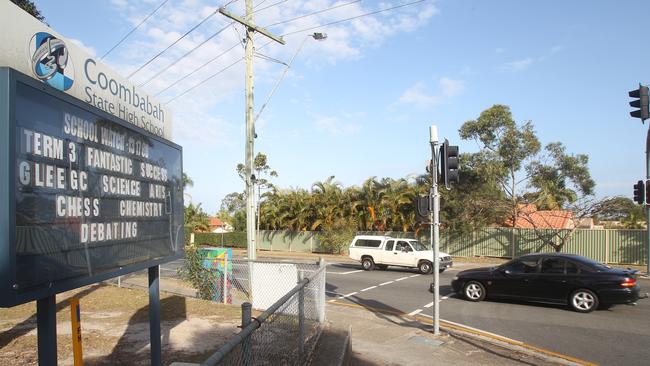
(89, 50)
(518, 65)
(419, 96)
(523, 64)
(337, 126)
(450, 87)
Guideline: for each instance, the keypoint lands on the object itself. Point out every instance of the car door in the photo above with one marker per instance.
(553, 283)
(513, 279)
(403, 254)
(387, 256)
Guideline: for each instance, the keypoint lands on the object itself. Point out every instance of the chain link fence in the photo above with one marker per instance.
(283, 310)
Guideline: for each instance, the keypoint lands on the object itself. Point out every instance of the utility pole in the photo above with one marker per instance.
(251, 208)
(435, 228)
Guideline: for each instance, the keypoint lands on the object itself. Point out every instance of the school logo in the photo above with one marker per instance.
(50, 61)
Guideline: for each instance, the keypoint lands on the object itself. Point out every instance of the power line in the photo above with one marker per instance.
(175, 42)
(314, 13)
(354, 17)
(204, 81)
(286, 34)
(186, 54)
(134, 29)
(195, 70)
(204, 42)
(201, 44)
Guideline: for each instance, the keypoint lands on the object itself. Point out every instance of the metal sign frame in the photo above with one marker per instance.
(10, 295)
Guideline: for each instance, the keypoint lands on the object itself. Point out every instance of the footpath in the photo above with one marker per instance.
(357, 336)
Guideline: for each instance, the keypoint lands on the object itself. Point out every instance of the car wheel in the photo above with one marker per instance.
(441, 270)
(368, 264)
(424, 267)
(474, 291)
(583, 301)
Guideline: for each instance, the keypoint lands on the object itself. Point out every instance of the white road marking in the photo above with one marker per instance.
(415, 276)
(332, 293)
(348, 295)
(416, 312)
(400, 279)
(386, 283)
(369, 288)
(429, 305)
(344, 273)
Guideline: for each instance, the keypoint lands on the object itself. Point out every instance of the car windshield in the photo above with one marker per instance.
(417, 246)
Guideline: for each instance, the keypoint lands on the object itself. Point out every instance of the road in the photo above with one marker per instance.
(618, 336)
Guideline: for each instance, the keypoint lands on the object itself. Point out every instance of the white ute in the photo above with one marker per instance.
(383, 251)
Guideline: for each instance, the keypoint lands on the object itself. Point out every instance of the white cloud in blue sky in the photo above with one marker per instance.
(360, 103)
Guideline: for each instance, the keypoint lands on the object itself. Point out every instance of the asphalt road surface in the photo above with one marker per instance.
(617, 336)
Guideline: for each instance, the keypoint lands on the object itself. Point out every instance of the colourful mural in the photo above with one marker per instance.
(219, 260)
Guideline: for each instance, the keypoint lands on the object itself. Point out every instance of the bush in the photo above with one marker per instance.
(202, 279)
(227, 240)
(337, 236)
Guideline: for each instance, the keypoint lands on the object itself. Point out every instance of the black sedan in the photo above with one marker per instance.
(558, 278)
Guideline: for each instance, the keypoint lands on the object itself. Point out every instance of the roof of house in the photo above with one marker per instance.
(529, 217)
(215, 221)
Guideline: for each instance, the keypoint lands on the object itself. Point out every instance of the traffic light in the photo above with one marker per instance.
(639, 192)
(641, 102)
(448, 164)
(422, 209)
(647, 192)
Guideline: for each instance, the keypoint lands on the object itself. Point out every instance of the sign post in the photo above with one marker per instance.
(154, 315)
(46, 330)
(75, 323)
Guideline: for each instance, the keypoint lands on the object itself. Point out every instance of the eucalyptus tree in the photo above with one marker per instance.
(512, 157)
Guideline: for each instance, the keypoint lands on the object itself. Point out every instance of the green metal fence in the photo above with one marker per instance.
(609, 246)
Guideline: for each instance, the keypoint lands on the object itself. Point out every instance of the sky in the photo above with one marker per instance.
(360, 103)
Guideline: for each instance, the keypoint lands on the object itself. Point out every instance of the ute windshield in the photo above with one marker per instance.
(417, 246)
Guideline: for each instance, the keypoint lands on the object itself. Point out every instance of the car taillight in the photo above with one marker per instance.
(628, 282)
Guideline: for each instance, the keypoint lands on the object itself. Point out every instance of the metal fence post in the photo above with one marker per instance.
(301, 317)
(321, 291)
(606, 246)
(246, 313)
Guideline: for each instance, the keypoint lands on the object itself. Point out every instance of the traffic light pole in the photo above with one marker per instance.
(435, 228)
(647, 207)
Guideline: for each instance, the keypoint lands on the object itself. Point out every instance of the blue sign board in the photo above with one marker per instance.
(84, 196)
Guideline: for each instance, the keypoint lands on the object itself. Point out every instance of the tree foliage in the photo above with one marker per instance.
(196, 218)
(527, 175)
(30, 8)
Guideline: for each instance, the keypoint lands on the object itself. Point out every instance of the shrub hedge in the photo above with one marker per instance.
(228, 240)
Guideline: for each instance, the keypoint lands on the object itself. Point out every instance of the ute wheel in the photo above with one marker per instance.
(367, 264)
(424, 267)
(474, 291)
(583, 301)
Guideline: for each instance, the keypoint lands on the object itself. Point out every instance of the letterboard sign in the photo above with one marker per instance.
(84, 196)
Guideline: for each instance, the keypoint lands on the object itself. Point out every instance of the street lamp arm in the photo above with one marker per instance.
(316, 36)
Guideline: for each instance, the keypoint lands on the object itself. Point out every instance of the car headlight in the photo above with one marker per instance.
(455, 278)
